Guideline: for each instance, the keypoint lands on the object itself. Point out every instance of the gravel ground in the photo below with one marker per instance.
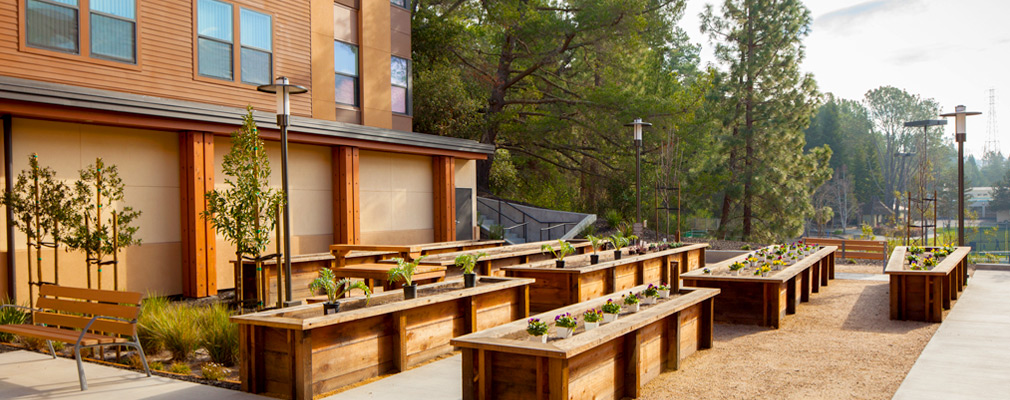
(840, 345)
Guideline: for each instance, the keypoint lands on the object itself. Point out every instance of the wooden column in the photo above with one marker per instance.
(196, 173)
(444, 180)
(346, 198)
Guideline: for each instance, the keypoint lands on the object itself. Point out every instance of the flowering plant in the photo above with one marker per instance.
(707, 271)
(915, 249)
(593, 315)
(929, 262)
(536, 327)
(762, 269)
(651, 291)
(912, 259)
(777, 263)
(565, 320)
(736, 266)
(752, 260)
(631, 299)
(663, 287)
(611, 308)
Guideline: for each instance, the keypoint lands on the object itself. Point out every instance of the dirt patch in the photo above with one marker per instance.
(840, 345)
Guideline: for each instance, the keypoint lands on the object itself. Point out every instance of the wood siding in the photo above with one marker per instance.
(166, 57)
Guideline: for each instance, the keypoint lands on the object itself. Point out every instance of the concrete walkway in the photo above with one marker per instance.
(862, 277)
(440, 380)
(969, 356)
(30, 375)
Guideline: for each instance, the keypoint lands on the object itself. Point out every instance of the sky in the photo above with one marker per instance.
(950, 51)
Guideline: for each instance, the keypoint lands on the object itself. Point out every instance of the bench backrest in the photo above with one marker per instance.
(853, 248)
(70, 307)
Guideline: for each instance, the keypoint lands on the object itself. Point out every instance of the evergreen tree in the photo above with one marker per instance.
(1001, 193)
(768, 103)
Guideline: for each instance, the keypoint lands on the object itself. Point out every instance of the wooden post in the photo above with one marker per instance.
(115, 252)
(706, 326)
(400, 341)
(633, 370)
(98, 219)
(346, 197)
(443, 177)
(196, 179)
(673, 341)
(557, 379)
(468, 375)
(56, 255)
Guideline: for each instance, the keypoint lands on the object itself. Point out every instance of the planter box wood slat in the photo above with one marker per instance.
(298, 352)
(923, 295)
(495, 259)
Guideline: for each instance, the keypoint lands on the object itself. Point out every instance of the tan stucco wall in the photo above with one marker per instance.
(396, 198)
(149, 167)
(311, 197)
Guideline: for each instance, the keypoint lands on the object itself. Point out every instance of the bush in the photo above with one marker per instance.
(180, 368)
(151, 310)
(220, 336)
(745, 247)
(11, 316)
(214, 371)
(156, 365)
(177, 328)
(613, 217)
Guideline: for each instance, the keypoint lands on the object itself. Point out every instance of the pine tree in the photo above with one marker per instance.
(768, 103)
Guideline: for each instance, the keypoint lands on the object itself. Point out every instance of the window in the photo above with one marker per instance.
(257, 39)
(53, 25)
(113, 30)
(400, 80)
(401, 3)
(345, 64)
(216, 44)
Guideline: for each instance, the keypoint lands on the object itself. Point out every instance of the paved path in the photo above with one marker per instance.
(969, 356)
(862, 277)
(440, 380)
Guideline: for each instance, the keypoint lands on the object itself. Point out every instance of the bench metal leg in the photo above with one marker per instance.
(80, 367)
(51, 350)
(143, 358)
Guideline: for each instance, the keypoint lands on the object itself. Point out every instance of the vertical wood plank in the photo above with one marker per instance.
(936, 296)
(196, 171)
(772, 289)
(633, 370)
(400, 341)
(815, 280)
(185, 210)
(470, 311)
(211, 234)
(824, 265)
(706, 325)
(301, 371)
(483, 375)
(791, 296)
(468, 374)
(444, 192)
(246, 361)
(805, 286)
(558, 379)
(672, 336)
(543, 390)
(675, 282)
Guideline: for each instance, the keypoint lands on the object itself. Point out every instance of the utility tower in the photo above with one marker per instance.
(992, 129)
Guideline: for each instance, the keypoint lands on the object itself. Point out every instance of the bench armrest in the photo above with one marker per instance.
(20, 307)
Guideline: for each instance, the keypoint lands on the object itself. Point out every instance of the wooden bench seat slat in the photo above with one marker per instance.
(61, 335)
(104, 296)
(82, 307)
(76, 322)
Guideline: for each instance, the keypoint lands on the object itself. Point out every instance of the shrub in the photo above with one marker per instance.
(214, 371)
(34, 344)
(613, 217)
(220, 336)
(177, 328)
(151, 310)
(180, 368)
(156, 365)
(745, 247)
(10, 316)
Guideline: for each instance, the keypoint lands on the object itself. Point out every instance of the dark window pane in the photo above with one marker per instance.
(398, 71)
(112, 38)
(347, 90)
(345, 58)
(215, 59)
(399, 99)
(255, 66)
(214, 20)
(120, 8)
(255, 29)
(51, 26)
(401, 3)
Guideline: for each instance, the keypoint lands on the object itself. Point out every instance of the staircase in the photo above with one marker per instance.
(522, 223)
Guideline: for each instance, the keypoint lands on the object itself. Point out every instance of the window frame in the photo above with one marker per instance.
(406, 3)
(241, 46)
(83, 37)
(236, 62)
(409, 98)
(357, 78)
(136, 15)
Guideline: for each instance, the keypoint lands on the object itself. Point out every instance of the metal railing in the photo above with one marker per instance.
(524, 221)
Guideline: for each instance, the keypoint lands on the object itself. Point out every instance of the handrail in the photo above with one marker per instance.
(496, 205)
(516, 226)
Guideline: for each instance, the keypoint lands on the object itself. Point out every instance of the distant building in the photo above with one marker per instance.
(977, 199)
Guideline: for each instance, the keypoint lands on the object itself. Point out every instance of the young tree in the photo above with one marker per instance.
(246, 212)
(768, 103)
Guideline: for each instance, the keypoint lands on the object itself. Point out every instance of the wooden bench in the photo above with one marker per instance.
(851, 248)
(84, 318)
(371, 273)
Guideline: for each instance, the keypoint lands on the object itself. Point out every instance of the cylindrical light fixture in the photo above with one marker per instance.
(638, 124)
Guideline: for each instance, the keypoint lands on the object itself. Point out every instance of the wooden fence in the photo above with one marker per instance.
(850, 248)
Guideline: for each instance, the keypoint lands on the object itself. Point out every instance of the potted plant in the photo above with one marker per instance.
(707, 271)
(537, 330)
(632, 303)
(564, 249)
(752, 261)
(404, 270)
(619, 241)
(467, 262)
(592, 318)
(777, 264)
(763, 270)
(664, 291)
(912, 259)
(928, 263)
(651, 293)
(610, 311)
(566, 324)
(597, 244)
(735, 268)
(335, 288)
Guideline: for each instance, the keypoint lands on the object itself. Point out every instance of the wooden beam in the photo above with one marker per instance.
(196, 173)
(346, 195)
(444, 191)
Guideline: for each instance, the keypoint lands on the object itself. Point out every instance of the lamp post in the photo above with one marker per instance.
(283, 89)
(638, 124)
(960, 134)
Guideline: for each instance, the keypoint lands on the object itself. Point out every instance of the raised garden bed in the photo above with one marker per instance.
(580, 280)
(351, 254)
(298, 352)
(764, 300)
(614, 360)
(496, 258)
(923, 294)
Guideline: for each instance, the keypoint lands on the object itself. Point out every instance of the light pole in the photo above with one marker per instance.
(638, 124)
(283, 90)
(960, 134)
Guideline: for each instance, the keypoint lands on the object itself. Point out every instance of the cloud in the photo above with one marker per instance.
(845, 17)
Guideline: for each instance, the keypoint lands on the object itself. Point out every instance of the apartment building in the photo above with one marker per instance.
(156, 87)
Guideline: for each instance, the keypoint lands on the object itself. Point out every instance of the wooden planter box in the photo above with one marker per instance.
(923, 295)
(580, 281)
(495, 259)
(298, 352)
(351, 254)
(612, 361)
(765, 301)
